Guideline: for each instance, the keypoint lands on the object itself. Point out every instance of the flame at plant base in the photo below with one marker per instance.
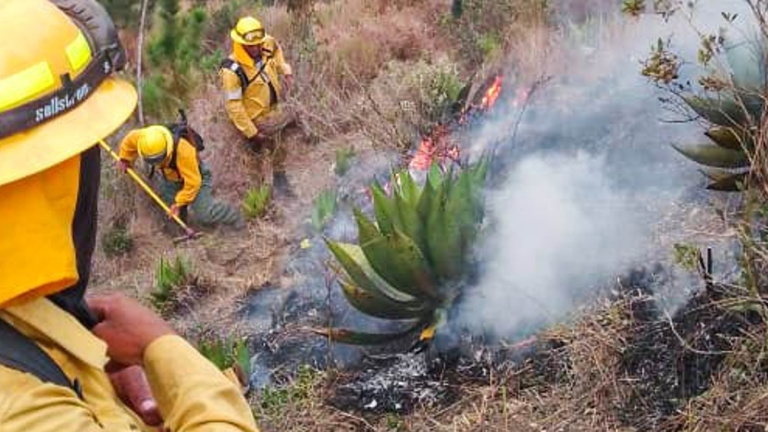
(727, 155)
(491, 95)
(409, 265)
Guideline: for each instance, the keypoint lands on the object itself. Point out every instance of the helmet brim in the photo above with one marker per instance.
(57, 140)
(239, 39)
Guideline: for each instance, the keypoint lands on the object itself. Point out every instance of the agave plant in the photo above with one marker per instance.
(409, 265)
(731, 114)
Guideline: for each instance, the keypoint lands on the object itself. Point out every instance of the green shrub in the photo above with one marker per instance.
(256, 201)
(323, 209)
(116, 242)
(437, 88)
(228, 353)
(344, 158)
(125, 13)
(170, 276)
(174, 53)
(489, 44)
(274, 400)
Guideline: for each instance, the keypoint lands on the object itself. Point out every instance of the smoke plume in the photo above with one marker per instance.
(589, 173)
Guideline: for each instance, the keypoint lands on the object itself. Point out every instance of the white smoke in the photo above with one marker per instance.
(590, 173)
(559, 227)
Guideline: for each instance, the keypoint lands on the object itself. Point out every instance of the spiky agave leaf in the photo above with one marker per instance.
(407, 188)
(725, 180)
(448, 227)
(714, 156)
(382, 307)
(435, 176)
(352, 337)
(361, 273)
(723, 111)
(747, 62)
(728, 137)
(412, 224)
(732, 183)
(396, 258)
(384, 210)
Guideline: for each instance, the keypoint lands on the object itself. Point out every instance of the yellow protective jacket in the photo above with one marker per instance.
(246, 106)
(191, 393)
(187, 164)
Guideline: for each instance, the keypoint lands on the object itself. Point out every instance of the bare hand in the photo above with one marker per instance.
(175, 210)
(132, 387)
(288, 84)
(122, 166)
(127, 327)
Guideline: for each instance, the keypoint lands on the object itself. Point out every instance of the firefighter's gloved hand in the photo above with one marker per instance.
(131, 385)
(127, 327)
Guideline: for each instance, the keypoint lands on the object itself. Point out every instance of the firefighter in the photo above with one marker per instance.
(57, 99)
(185, 179)
(254, 93)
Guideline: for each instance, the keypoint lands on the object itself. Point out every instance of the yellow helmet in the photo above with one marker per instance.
(248, 31)
(155, 143)
(57, 97)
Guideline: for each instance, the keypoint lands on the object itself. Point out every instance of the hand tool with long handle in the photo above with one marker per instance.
(190, 233)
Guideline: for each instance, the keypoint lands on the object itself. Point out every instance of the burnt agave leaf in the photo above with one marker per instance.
(723, 111)
(352, 337)
(714, 156)
(735, 183)
(728, 137)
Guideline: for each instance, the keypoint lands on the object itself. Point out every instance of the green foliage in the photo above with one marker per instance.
(228, 353)
(174, 53)
(125, 13)
(274, 400)
(489, 44)
(116, 241)
(344, 158)
(633, 7)
(457, 8)
(731, 114)
(323, 208)
(687, 256)
(410, 264)
(437, 87)
(256, 201)
(170, 276)
(224, 18)
(471, 21)
(394, 423)
(662, 66)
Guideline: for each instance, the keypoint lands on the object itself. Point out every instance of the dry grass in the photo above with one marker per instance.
(349, 95)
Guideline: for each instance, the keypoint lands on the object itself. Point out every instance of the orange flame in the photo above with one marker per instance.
(438, 147)
(491, 95)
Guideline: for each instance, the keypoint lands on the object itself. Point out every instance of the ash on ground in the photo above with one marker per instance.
(396, 383)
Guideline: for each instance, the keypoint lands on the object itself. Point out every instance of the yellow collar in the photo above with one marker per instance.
(42, 320)
(240, 55)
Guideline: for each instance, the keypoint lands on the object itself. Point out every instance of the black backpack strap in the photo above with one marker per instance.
(176, 132)
(22, 354)
(235, 67)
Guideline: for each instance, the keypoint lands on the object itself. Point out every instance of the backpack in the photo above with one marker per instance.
(21, 353)
(182, 129)
(235, 67)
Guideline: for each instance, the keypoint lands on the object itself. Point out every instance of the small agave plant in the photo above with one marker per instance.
(409, 265)
(732, 112)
